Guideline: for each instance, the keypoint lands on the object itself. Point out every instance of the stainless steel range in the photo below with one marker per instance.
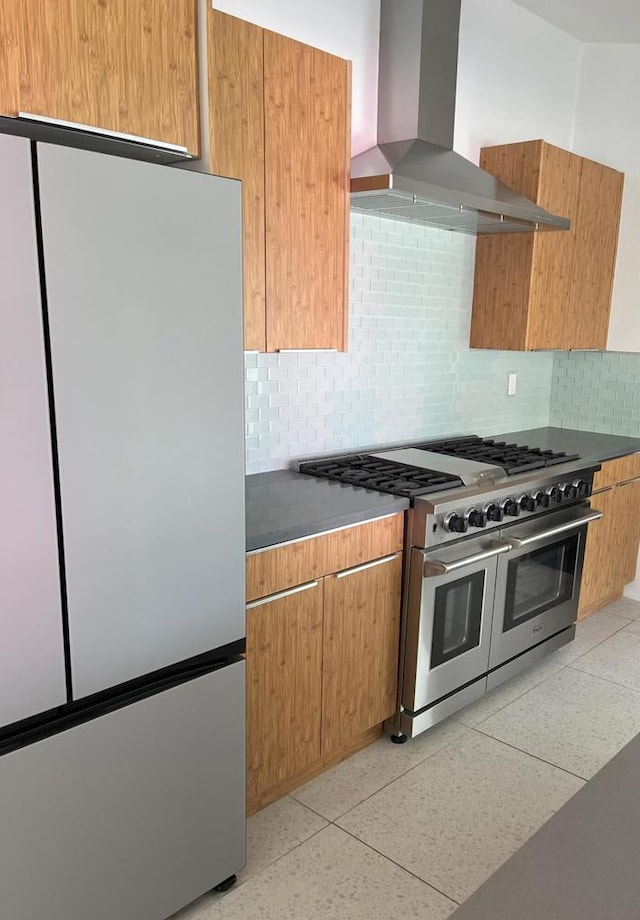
(494, 550)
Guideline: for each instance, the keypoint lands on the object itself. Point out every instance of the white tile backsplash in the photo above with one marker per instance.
(409, 372)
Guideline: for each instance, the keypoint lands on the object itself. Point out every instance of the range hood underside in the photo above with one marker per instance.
(456, 195)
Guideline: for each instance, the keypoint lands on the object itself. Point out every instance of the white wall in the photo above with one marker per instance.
(607, 129)
(517, 78)
(349, 29)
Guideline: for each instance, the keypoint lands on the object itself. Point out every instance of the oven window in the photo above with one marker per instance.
(457, 618)
(539, 580)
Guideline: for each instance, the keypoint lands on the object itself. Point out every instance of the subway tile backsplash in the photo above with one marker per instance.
(409, 372)
(597, 392)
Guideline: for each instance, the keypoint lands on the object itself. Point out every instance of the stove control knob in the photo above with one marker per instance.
(455, 524)
(541, 498)
(476, 518)
(555, 495)
(569, 491)
(510, 508)
(582, 488)
(527, 503)
(493, 512)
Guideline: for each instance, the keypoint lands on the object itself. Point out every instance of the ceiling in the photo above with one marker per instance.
(591, 20)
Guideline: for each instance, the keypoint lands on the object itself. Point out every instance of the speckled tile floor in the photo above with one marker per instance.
(412, 830)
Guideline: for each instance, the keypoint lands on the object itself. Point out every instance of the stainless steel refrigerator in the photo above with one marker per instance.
(122, 762)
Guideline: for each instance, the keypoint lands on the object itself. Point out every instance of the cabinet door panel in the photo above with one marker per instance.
(10, 58)
(522, 280)
(122, 66)
(596, 233)
(600, 575)
(628, 522)
(622, 469)
(361, 631)
(306, 194)
(553, 254)
(236, 126)
(284, 687)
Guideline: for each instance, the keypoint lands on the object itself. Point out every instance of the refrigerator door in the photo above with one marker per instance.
(32, 675)
(143, 269)
(129, 816)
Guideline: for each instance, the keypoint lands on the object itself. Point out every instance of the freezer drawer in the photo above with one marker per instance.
(131, 815)
(143, 268)
(32, 673)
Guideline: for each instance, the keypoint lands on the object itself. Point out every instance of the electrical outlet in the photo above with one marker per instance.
(512, 384)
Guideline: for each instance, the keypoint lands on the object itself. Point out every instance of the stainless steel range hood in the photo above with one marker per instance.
(413, 173)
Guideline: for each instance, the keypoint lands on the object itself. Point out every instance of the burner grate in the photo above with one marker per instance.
(514, 458)
(381, 475)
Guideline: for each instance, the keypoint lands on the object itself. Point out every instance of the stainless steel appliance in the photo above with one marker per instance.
(121, 535)
(494, 551)
(413, 173)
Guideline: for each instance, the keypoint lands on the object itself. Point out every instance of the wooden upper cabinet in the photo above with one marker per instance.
(550, 289)
(280, 122)
(307, 147)
(596, 246)
(112, 64)
(236, 126)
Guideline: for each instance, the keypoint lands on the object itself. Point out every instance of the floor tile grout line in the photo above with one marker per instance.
(466, 729)
(606, 680)
(308, 807)
(399, 865)
(562, 667)
(534, 756)
(524, 693)
(250, 878)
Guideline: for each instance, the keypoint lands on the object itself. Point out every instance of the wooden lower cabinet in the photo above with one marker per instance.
(360, 663)
(612, 546)
(628, 519)
(599, 577)
(284, 687)
(322, 665)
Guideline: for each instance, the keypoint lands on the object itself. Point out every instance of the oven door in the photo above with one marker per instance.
(538, 584)
(450, 607)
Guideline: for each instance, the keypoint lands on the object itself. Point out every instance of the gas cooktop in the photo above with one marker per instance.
(383, 475)
(513, 458)
(464, 485)
(434, 466)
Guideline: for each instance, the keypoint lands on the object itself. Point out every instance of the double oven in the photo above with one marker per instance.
(483, 608)
(494, 551)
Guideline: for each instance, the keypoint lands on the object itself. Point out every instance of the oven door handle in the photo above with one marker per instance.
(433, 567)
(519, 542)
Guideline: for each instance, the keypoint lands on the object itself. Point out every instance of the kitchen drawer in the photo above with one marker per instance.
(278, 568)
(620, 470)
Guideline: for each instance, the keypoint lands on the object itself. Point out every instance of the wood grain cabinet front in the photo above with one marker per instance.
(122, 66)
(280, 121)
(360, 649)
(322, 659)
(550, 289)
(612, 543)
(284, 686)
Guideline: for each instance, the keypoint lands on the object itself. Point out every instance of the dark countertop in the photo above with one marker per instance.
(583, 863)
(284, 505)
(588, 444)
